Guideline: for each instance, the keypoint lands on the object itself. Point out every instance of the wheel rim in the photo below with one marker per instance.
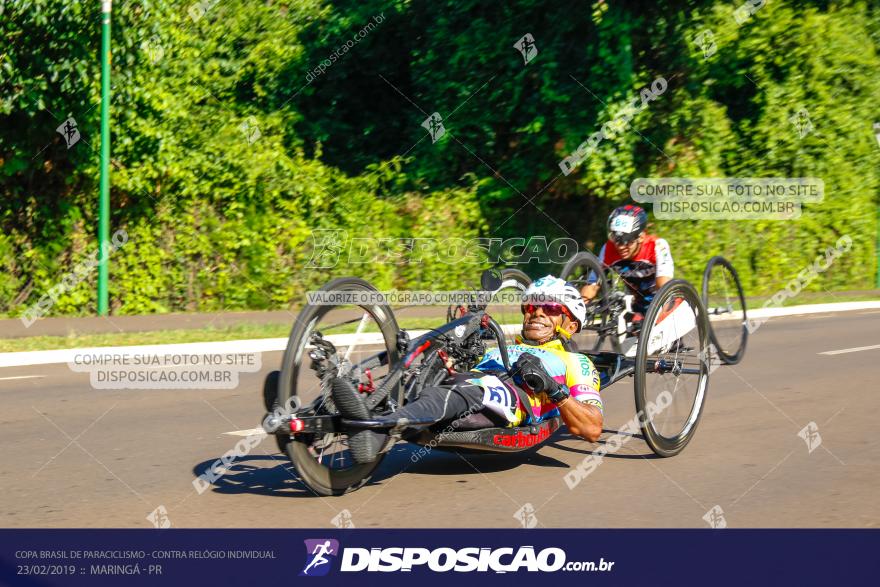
(672, 376)
(726, 309)
(324, 461)
(580, 271)
(505, 304)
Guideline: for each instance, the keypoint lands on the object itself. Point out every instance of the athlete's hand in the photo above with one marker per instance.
(532, 372)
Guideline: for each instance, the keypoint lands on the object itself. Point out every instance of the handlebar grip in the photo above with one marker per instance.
(534, 381)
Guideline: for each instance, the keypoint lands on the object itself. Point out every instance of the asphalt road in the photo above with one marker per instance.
(81, 457)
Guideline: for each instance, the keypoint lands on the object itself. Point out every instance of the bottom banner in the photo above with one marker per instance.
(399, 557)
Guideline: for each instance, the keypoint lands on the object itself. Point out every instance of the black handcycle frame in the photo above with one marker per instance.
(427, 360)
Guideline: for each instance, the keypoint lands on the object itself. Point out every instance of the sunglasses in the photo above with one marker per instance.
(622, 241)
(548, 309)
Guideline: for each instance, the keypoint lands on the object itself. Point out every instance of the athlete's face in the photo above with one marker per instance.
(540, 321)
(629, 250)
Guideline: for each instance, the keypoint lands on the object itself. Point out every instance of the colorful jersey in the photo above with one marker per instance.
(574, 370)
(641, 272)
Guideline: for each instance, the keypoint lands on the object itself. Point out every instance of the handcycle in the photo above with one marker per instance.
(610, 316)
(391, 365)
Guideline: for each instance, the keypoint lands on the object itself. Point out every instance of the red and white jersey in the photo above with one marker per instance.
(653, 260)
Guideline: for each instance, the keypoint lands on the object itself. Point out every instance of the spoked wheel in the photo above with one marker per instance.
(726, 305)
(586, 269)
(363, 337)
(671, 377)
(504, 306)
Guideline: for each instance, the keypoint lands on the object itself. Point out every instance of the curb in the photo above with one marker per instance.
(264, 345)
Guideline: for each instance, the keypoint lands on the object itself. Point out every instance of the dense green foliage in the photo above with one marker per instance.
(217, 221)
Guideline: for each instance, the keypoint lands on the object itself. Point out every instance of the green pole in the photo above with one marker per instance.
(877, 248)
(104, 200)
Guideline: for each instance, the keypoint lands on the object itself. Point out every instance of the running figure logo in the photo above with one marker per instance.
(69, 131)
(527, 48)
(319, 554)
(434, 126)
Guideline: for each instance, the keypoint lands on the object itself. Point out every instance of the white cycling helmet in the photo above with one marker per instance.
(553, 289)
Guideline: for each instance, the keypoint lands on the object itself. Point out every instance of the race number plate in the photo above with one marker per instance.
(497, 396)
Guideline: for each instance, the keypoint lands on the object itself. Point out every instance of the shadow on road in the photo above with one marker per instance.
(251, 474)
(274, 475)
(593, 449)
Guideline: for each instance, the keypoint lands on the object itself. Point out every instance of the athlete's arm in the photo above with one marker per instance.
(665, 266)
(588, 292)
(582, 411)
(582, 419)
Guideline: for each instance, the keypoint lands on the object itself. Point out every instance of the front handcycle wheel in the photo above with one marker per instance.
(726, 305)
(671, 372)
(363, 336)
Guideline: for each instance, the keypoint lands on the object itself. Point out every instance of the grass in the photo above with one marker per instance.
(248, 331)
(245, 331)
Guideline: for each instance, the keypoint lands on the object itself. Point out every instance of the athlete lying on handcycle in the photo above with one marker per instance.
(643, 260)
(544, 373)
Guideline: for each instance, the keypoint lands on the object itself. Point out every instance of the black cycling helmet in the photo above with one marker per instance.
(626, 223)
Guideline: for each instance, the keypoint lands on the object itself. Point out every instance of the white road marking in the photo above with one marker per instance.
(251, 432)
(22, 377)
(852, 350)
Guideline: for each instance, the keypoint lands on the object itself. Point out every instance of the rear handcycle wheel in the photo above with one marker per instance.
(505, 300)
(585, 269)
(671, 373)
(726, 306)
